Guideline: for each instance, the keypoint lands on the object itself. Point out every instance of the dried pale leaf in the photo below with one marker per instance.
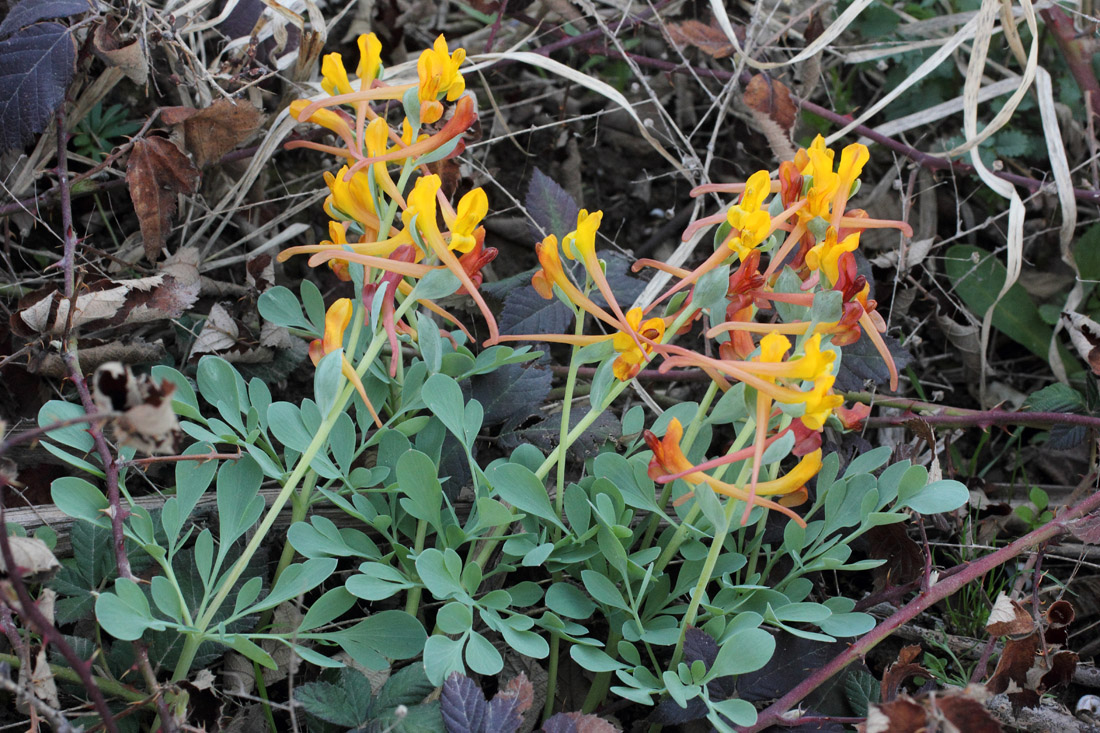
(260, 273)
(219, 333)
(1086, 529)
(707, 37)
(128, 58)
(1084, 334)
(1008, 618)
(156, 172)
(147, 422)
(966, 338)
(111, 303)
(212, 132)
(33, 560)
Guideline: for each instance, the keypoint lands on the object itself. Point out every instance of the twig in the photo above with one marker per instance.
(54, 717)
(201, 458)
(1077, 58)
(110, 463)
(941, 590)
(29, 611)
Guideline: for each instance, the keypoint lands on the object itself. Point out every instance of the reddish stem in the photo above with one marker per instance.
(1075, 53)
(944, 588)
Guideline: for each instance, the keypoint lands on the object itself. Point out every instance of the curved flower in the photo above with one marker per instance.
(370, 59)
(334, 77)
(471, 209)
(752, 222)
(669, 459)
(825, 255)
(633, 355)
(439, 75)
(852, 160)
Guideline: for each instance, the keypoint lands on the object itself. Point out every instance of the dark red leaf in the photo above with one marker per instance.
(156, 172)
(1015, 661)
(550, 206)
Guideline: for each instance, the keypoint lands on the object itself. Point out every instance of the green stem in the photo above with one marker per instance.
(747, 431)
(106, 686)
(601, 683)
(412, 602)
(713, 554)
(320, 440)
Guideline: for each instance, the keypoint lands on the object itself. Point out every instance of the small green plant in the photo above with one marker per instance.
(945, 666)
(101, 130)
(1037, 514)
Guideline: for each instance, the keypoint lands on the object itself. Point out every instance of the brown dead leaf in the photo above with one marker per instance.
(1086, 529)
(1062, 666)
(105, 302)
(520, 688)
(902, 670)
(707, 37)
(1060, 614)
(966, 714)
(579, 723)
(156, 172)
(147, 421)
(1008, 618)
(210, 133)
(130, 58)
(903, 715)
(1016, 659)
(904, 560)
(771, 98)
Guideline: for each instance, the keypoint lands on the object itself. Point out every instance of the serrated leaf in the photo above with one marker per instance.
(345, 702)
(550, 206)
(36, 66)
(156, 172)
(32, 11)
(511, 392)
(861, 362)
(462, 705)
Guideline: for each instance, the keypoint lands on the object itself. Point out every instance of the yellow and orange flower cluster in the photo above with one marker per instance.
(805, 228)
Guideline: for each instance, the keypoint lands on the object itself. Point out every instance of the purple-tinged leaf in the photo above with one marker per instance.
(861, 362)
(36, 66)
(512, 392)
(502, 714)
(577, 723)
(699, 645)
(525, 311)
(550, 206)
(32, 11)
(462, 705)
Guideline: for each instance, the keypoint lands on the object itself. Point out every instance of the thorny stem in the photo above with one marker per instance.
(110, 462)
(944, 588)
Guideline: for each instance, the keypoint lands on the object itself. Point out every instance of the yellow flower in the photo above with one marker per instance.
(825, 255)
(334, 77)
(350, 199)
(337, 319)
(820, 402)
(583, 238)
(814, 362)
(772, 348)
(748, 217)
(370, 59)
(324, 117)
(852, 160)
(439, 75)
(422, 207)
(634, 352)
(472, 208)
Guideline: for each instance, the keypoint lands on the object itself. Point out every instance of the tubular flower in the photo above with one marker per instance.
(825, 256)
(820, 402)
(439, 75)
(583, 238)
(632, 355)
(852, 160)
(337, 319)
(477, 258)
(370, 60)
(350, 198)
(752, 222)
(377, 134)
(326, 118)
(334, 77)
(338, 231)
(669, 459)
(553, 273)
(472, 208)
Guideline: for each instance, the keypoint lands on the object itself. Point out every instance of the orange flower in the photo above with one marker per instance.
(632, 355)
(668, 459)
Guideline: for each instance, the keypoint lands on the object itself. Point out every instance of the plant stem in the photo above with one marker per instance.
(944, 588)
(716, 545)
(602, 681)
(412, 602)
